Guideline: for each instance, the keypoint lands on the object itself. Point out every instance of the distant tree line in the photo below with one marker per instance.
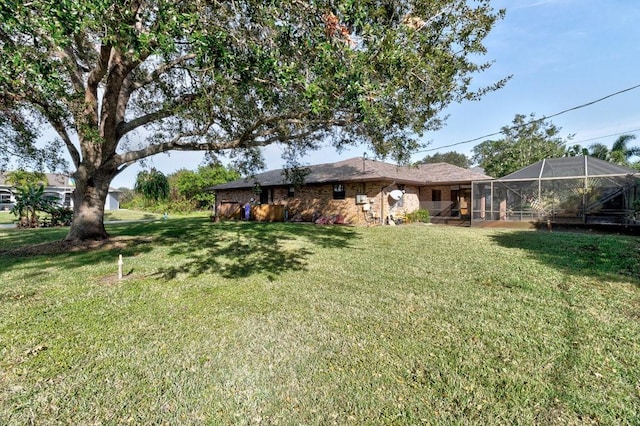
(620, 153)
(182, 191)
(528, 140)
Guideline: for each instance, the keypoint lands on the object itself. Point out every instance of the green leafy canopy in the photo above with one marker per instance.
(122, 81)
(525, 141)
(451, 157)
(620, 153)
(152, 184)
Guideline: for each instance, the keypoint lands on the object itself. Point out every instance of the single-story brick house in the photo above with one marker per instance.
(59, 186)
(354, 191)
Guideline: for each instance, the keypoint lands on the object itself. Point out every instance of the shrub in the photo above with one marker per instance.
(60, 215)
(420, 215)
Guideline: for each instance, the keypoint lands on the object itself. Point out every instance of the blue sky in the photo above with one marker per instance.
(561, 53)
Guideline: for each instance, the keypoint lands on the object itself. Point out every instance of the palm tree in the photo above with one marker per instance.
(153, 185)
(621, 152)
(30, 199)
(599, 150)
(28, 190)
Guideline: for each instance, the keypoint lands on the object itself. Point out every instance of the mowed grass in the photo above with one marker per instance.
(6, 217)
(136, 215)
(252, 323)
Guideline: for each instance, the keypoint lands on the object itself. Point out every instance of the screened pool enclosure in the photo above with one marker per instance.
(561, 190)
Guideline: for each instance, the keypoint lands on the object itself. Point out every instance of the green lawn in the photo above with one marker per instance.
(124, 214)
(6, 217)
(249, 323)
(135, 215)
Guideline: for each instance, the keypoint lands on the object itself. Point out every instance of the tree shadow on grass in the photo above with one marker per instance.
(114, 217)
(39, 257)
(229, 249)
(240, 249)
(611, 257)
(603, 257)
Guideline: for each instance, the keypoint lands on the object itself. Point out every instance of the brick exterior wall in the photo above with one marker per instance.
(313, 201)
(436, 208)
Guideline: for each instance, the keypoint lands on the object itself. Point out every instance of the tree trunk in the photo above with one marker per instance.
(88, 206)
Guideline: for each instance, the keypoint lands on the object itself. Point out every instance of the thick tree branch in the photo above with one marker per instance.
(274, 125)
(112, 103)
(121, 65)
(48, 112)
(99, 71)
(164, 68)
(255, 139)
(70, 62)
(64, 135)
(84, 52)
(126, 127)
(174, 144)
(93, 81)
(123, 101)
(130, 86)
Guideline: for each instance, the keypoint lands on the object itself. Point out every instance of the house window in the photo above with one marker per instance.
(53, 197)
(436, 195)
(5, 198)
(264, 196)
(291, 192)
(339, 192)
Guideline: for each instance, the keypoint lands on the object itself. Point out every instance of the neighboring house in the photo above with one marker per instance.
(354, 191)
(59, 187)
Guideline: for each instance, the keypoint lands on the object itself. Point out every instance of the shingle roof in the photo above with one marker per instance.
(53, 179)
(448, 173)
(358, 170)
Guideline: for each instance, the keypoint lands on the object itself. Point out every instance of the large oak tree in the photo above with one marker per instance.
(120, 81)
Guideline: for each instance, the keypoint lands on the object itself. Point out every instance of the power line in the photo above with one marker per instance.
(534, 121)
(606, 136)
